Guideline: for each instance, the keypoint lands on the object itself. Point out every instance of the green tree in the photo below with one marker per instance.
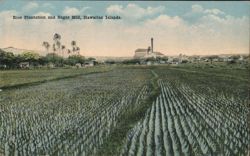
(54, 58)
(212, 57)
(63, 47)
(7, 59)
(73, 59)
(151, 59)
(30, 56)
(165, 58)
(91, 59)
(131, 61)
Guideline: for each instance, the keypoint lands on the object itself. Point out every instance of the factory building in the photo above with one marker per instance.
(149, 52)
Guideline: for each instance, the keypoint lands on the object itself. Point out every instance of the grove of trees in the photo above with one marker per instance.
(56, 55)
(10, 61)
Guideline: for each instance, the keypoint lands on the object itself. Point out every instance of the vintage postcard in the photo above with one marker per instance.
(124, 78)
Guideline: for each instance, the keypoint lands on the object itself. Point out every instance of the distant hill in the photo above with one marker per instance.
(17, 51)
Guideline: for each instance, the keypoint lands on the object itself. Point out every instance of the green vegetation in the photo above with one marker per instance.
(220, 80)
(84, 108)
(15, 78)
(133, 114)
(186, 109)
(59, 56)
(198, 112)
(10, 61)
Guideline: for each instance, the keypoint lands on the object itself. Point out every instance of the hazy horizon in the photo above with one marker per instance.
(43, 53)
(190, 28)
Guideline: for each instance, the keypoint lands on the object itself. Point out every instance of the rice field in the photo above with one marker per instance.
(128, 110)
(14, 78)
(182, 122)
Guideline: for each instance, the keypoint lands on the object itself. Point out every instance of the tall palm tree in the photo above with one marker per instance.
(58, 44)
(54, 48)
(46, 45)
(63, 48)
(75, 48)
(78, 50)
(69, 51)
(73, 44)
(57, 38)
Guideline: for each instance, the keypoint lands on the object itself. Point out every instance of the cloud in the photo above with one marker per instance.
(74, 11)
(199, 9)
(212, 33)
(71, 11)
(6, 17)
(115, 9)
(134, 11)
(214, 11)
(30, 6)
(166, 21)
(42, 14)
(48, 5)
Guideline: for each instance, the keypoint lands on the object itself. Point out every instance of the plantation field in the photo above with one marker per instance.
(192, 120)
(12, 78)
(126, 110)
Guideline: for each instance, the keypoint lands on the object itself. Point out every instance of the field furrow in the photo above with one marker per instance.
(190, 123)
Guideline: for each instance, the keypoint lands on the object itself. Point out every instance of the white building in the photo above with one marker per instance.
(24, 65)
(149, 52)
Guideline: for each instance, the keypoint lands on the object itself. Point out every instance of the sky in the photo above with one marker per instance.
(191, 28)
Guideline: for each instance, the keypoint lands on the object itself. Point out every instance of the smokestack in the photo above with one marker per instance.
(152, 45)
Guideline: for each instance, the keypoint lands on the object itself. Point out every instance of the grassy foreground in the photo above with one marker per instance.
(232, 82)
(113, 145)
(104, 105)
(15, 78)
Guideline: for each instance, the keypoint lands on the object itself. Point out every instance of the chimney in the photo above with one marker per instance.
(152, 45)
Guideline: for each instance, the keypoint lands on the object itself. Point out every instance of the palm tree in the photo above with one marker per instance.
(46, 45)
(78, 50)
(63, 48)
(69, 51)
(73, 44)
(58, 44)
(54, 48)
(57, 38)
(75, 48)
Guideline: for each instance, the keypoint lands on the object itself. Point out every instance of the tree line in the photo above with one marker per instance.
(10, 61)
(56, 57)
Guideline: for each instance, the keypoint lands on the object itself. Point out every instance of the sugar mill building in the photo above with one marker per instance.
(149, 52)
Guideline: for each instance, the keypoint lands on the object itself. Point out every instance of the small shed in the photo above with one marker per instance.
(89, 64)
(149, 63)
(51, 65)
(78, 65)
(24, 65)
(162, 62)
